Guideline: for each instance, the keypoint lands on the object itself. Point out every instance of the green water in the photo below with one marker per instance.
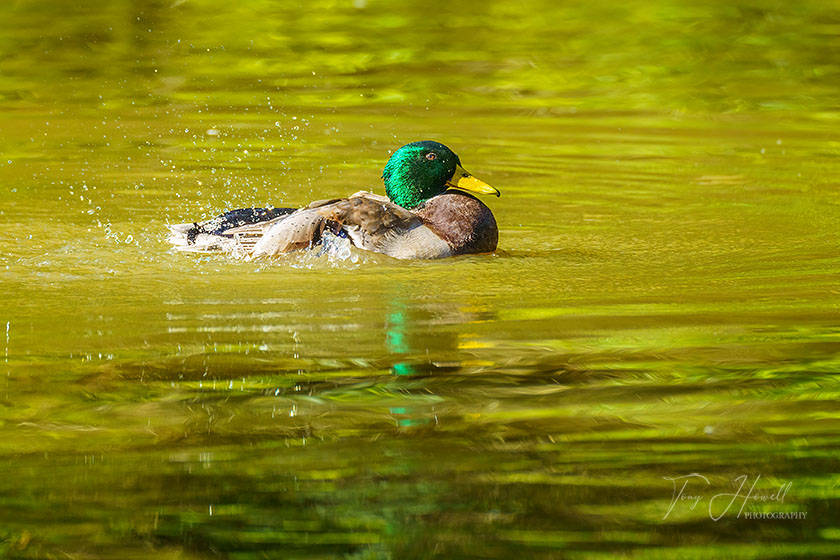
(664, 300)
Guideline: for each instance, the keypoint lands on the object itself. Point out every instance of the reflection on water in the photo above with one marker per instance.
(663, 302)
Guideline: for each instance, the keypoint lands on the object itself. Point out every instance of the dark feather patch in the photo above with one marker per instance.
(235, 218)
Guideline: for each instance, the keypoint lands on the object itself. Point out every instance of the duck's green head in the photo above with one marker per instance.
(420, 170)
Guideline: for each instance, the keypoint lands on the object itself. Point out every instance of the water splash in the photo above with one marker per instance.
(337, 248)
(333, 250)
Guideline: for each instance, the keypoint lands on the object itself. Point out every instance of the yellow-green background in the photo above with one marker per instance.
(664, 299)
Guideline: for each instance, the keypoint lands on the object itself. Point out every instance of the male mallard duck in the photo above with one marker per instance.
(420, 218)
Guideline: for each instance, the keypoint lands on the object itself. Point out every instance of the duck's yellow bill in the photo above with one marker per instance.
(464, 181)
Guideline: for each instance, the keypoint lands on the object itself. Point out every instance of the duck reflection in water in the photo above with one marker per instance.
(421, 346)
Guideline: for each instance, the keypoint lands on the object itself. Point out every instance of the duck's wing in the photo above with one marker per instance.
(372, 222)
(246, 237)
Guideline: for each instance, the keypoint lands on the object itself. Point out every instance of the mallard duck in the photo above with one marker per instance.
(426, 215)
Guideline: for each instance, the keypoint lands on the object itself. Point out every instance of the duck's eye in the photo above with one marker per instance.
(431, 155)
(465, 175)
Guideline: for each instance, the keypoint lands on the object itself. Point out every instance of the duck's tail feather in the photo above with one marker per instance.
(226, 232)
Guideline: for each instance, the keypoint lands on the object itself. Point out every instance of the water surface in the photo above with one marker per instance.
(664, 299)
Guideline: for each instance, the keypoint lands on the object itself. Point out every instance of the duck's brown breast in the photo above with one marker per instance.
(461, 220)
